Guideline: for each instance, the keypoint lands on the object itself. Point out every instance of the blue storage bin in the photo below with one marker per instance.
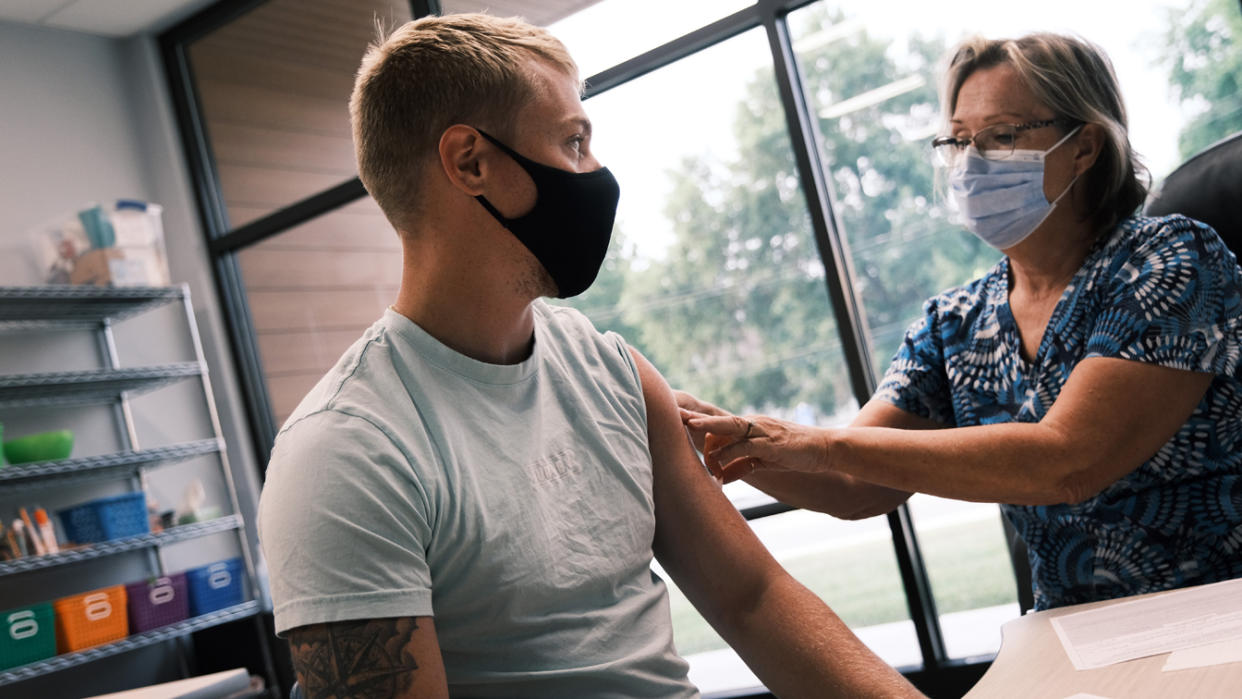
(108, 518)
(215, 586)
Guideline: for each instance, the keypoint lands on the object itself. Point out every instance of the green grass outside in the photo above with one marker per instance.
(968, 565)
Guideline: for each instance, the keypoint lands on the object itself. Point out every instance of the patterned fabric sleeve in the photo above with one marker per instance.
(1174, 302)
(916, 381)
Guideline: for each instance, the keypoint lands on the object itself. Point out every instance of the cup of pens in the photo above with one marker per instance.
(30, 534)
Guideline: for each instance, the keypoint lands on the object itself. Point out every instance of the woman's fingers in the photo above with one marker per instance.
(689, 402)
(736, 470)
(720, 451)
(696, 436)
(726, 425)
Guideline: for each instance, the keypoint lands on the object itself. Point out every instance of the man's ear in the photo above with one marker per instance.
(1087, 147)
(460, 158)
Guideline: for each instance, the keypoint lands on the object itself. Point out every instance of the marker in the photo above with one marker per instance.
(46, 531)
(36, 544)
(19, 531)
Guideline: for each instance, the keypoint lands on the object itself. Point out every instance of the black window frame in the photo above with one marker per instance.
(938, 674)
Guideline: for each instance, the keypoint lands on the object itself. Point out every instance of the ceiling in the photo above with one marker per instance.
(112, 18)
(123, 18)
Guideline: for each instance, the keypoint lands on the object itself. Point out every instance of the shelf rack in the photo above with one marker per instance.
(115, 546)
(63, 388)
(56, 308)
(44, 307)
(141, 640)
(54, 473)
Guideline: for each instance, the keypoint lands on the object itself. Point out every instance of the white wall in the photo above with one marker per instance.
(66, 134)
(83, 119)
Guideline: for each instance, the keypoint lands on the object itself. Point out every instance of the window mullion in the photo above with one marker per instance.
(851, 323)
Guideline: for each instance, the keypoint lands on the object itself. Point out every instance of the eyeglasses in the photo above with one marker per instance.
(995, 142)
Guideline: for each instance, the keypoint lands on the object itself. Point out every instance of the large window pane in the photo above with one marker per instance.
(871, 75)
(633, 27)
(714, 275)
(313, 290)
(274, 87)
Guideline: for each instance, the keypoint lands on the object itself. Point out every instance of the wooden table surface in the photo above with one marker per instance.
(1033, 664)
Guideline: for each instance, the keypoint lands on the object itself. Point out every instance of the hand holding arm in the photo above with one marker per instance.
(787, 635)
(1111, 416)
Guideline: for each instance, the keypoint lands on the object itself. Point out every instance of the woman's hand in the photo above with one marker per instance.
(691, 407)
(738, 446)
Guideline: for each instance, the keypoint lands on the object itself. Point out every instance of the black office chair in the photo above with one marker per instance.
(1208, 188)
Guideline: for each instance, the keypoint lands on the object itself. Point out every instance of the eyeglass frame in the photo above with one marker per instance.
(940, 141)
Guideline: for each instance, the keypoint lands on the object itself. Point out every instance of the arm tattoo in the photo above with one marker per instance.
(354, 658)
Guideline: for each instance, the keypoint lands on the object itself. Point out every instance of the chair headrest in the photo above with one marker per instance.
(1208, 188)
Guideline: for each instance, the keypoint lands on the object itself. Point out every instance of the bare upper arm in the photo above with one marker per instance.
(392, 657)
(1115, 414)
(701, 539)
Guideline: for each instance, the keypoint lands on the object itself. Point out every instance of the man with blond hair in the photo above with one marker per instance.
(469, 502)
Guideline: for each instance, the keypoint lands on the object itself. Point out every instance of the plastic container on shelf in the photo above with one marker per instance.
(114, 244)
(215, 586)
(104, 519)
(27, 635)
(157, 602)
(90, 619)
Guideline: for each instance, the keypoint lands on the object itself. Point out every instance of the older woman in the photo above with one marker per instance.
(1090, 381)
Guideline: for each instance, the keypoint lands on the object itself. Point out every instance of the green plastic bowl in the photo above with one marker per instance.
(44, 446)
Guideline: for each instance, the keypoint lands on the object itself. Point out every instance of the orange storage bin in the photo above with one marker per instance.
(90, 619)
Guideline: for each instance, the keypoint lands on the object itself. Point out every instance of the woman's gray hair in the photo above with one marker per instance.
(1075, 79)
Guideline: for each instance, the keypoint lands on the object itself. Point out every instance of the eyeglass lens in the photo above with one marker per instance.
(995, 142)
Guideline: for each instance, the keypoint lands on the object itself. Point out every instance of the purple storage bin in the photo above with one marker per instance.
(157, 602)
(215, 586)
(105, 519)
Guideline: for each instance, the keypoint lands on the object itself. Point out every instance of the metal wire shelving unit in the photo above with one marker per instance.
(51, 309)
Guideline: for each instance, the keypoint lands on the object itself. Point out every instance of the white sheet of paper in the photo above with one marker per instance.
(1204, 656)
(1084, 695)
(1180, 619)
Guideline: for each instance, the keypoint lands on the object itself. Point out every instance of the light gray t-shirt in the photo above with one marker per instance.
(510, 502)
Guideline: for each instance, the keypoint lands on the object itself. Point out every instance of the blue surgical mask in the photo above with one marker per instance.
(1002, 201)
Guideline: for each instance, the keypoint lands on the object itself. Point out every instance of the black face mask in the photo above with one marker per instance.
(569, 229)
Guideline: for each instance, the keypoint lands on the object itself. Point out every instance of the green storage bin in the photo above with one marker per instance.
(27, 635)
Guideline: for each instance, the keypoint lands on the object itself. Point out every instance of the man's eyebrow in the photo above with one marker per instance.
(581, 123)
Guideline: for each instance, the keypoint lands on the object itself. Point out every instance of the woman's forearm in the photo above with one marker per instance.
(833, 493)
(1019, 463)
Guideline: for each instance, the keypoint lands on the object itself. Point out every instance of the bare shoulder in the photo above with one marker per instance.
(393, 657)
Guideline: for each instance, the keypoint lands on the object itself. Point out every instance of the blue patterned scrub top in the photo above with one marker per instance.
(1158, 290)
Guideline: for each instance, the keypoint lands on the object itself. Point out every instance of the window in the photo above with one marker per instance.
(313, 289)
(274, 88)
(714, 275)
(871, 77)
(771, 246)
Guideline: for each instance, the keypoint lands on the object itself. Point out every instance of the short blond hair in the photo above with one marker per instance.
(430, 74)
(1075, 79)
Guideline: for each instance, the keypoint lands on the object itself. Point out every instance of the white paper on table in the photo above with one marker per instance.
(1204, 656)
(1195, 616)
